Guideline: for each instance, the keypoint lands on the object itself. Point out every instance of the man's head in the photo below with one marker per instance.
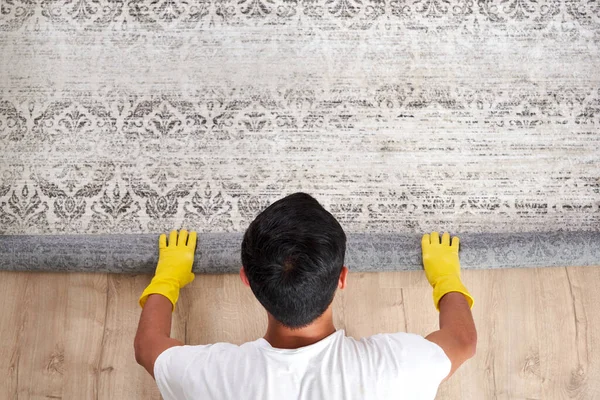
(292, 256)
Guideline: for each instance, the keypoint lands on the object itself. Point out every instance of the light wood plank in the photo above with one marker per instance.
(365, 314)
(555, 322)
(120, 377)
(586, 292)
(12, 326)
(41, 367)
(71, 335)
(84, 330)
(223, 309)
(565, 322)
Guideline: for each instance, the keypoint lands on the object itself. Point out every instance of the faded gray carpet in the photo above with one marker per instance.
(121, 120)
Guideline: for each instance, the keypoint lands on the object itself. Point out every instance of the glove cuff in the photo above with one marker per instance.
(449, 284)
(167, 287)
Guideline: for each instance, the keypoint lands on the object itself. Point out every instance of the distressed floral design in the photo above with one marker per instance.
(24, 210)
(250, 206)
(166, 15)
(82, 14)
(256, 8)
(585, 12)
(432, 8)
(115, 211)
(69, 209)
(72, 174)
(12, 124)
(186, 139)
(345, 9)
(159, 124)
(347, 211)
(161, 206)
(208, 209)
(15, 13)
(361, 103)
(71, 125)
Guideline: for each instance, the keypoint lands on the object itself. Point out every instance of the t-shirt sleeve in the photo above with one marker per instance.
(170, 369)
(421, 364)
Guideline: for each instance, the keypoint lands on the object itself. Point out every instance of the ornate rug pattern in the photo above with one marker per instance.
(481, 118)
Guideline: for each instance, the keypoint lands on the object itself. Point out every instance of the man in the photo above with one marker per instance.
(293, 260)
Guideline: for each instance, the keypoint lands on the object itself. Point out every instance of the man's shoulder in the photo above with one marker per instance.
(201, 353)
(400, 344)
(219, 347)
(394, 337)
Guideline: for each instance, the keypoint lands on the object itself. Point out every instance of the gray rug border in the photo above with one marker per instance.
(219, 253)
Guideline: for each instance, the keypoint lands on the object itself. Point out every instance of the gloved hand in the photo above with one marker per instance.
(442, 266)
(174, 269)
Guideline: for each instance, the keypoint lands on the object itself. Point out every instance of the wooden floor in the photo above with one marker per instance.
(70, 336)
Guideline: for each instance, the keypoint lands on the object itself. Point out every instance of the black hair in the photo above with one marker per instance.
(293, 254)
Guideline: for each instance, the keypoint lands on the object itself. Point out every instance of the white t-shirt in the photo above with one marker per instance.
(384, 366)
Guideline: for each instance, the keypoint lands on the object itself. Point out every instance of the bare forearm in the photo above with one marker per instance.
(457, 335)
(154, 331)
(156, 316)
(456, 316)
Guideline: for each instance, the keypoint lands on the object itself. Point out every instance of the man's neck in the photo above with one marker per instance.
(282, 337)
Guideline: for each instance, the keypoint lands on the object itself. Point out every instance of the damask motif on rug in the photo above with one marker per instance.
(481, 118)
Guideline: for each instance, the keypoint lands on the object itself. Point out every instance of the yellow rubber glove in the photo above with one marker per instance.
(174, 269)
(442, 266)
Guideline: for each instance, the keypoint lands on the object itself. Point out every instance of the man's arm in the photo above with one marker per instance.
(457, 335)
(173, 272)
(154, 331)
